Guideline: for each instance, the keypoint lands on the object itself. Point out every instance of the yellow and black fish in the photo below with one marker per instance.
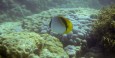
(60, 25)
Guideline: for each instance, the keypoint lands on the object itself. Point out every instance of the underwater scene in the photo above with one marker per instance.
(57, 28)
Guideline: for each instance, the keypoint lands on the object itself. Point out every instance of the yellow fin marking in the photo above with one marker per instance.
(69, 25)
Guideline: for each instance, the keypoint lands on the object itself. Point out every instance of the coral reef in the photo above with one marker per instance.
(9, 27)
(102, 38)
(18, 40)
(72, 50)
(80, 17)
(105, 27)
(30, 45)
(14, 9)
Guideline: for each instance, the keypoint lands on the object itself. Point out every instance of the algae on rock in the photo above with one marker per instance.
(104, 29)
(30, 45)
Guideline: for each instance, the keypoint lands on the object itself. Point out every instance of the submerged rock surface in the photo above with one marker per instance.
(30, 45)
(8, 27)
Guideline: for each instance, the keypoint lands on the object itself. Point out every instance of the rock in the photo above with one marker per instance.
(82, 21)
(74, 36)
(78, 41)
(48, 54)
(44, 28)
(43, 31)
(93, 55)
(80, 35)
(33, 56)
(71, 50)
(8, 27)
(87, 28)
(72, 41)
(93, 20)
(96, 50)
(75, 29)
(93, 16)
(84, 41)
(80, 18)
(70, 35)
(64, 37)
(30, 45)
(43, 18)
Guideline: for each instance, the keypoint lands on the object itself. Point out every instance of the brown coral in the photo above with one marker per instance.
(104, 28)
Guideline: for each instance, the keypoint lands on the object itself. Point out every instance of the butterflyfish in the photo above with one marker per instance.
(61, 25)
